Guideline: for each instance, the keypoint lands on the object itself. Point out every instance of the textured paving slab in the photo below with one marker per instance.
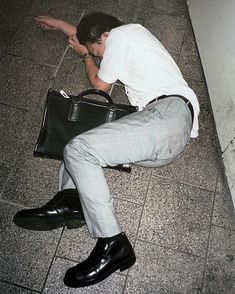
(172, 7)
(113, 285)
(177, 216)
(131, 187)
(4, 173)
(118, 94)
(220, 268)
(25, 253)
(200, 90)
(223, 214)
(13, 132)
(32, 42)
(189, 62)
(24, 81)
(12, 13)
(5, 37)
(128, 11)
(166, 27)
(160, 270)
(33, 180)
(11, 289)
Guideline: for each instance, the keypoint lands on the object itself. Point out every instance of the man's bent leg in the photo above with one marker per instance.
(137, 138)
(82, 163)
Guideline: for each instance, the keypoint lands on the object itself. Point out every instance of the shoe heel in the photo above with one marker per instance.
(127, 264)
(75, 224)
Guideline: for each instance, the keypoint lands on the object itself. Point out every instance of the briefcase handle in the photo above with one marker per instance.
(96, 92)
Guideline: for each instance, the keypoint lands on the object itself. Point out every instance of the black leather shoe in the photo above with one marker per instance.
(64, 209)
(109, 255)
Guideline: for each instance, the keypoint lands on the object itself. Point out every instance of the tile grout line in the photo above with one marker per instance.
(12, 203)
(184, 37)
(225, 228)
(137, 231)
(52, 260)
(209, 237)
(19, 286)
(169, 248)
(183, 183)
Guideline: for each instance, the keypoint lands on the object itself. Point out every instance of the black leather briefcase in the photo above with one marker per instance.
(68, 116)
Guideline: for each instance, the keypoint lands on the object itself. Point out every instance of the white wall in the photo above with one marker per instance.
(214, 27)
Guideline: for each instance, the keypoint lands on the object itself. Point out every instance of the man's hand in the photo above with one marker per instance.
(47, 22)
(76, 46)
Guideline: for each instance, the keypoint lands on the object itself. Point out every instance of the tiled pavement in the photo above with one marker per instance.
(179, 218)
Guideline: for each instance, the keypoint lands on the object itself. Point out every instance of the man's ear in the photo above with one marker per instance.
(104, 36)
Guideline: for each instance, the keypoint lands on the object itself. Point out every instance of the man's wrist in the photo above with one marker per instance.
(85, 56)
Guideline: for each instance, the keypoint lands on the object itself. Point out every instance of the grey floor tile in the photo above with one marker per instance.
(6, 288)
(13, 132)
(5, 37)
(200, 90)
(12, 12)
(165, 28)
(172, 7)
(190, 62)
(37, 44)
(131, 187)
(223, 214)
(177, 216)
(125, 10)
(118, 94)
(199, 163)
(71, 75)
(4, 173)
(33, 180)
(24, 81)
(159, 270)
(220, 268)
(77, 244)
(27, 254)
(106, 6)
(68, 10)
(112, 285)
(128, 11)
(189, 43)
(222, 183)
(190, 66)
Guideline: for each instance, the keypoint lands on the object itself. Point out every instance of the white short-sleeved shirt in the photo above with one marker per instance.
(134, 56)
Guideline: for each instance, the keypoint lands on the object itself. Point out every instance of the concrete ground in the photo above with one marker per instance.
(179, 218)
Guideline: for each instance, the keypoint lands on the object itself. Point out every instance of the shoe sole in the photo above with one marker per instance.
(37, 224)
(122, 267)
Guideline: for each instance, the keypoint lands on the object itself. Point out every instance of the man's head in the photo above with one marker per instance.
(93, 30)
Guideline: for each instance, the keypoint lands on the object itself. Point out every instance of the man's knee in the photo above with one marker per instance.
(79, 150)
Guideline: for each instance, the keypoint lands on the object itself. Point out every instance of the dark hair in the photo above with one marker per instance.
(92, 26)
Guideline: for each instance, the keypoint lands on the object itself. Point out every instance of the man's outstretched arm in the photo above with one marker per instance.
(50, 23)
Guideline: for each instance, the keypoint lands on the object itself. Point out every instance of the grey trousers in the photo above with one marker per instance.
(153, 137)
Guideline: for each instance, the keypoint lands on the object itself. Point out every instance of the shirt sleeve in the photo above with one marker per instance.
(115, 57)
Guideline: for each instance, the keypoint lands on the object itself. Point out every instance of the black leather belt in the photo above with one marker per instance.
(179, 96)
